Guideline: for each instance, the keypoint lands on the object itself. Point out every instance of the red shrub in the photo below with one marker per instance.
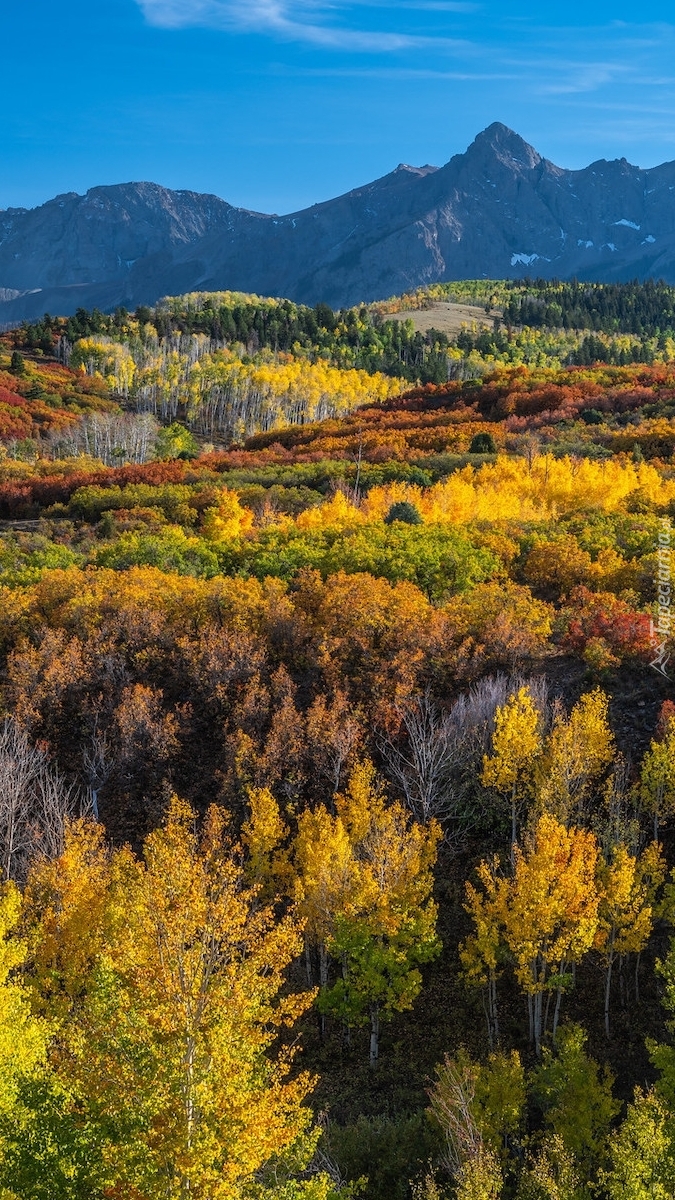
(601, 616)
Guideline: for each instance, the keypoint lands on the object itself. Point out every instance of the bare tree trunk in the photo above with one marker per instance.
(487, 1009)
(538, 1010)
(608, 981)
(491, 1012)
(323, 982)
(493, 1004)
(374, 1034)
(309, 970)
(556, 1014)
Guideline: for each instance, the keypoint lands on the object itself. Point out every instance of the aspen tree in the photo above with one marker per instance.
(24, 1050)
(366, 880)
(23, 1036)
(577, 750)
(327, 884)
(168, 1039)
(576, 1097)
(267, 865)
(470, 1156)
(550, 914)
(516, 745)
(228, 519)
(627, 885)
(657, 777)
(478, 1102)
(642, 1152)
(396, 927)
(480, 1178)
(550, 1174)
(65, 916)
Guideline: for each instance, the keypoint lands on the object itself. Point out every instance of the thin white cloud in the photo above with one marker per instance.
(296, 20)
(559, 76)
(551, 61)
(453, 6)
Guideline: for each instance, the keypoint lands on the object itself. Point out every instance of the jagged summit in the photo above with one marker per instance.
(509, 147)
(498, 210)
(410, 170)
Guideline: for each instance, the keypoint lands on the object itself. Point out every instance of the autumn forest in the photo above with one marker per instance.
(337, 748)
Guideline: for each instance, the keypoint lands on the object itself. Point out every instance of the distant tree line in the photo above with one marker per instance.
(366, 338)
(646, 309)
(351, 338)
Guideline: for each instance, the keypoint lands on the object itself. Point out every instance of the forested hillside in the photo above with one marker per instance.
(337, 751)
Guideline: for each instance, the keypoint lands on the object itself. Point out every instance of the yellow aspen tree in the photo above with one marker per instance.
(58, 1133)
(170, 1044)
(642, 1152)
(228, 519)
(576, 1097)
(267, 863)
(23, 1036)
(550, 914)
(501, 1101)
(394, 929)
(550, 1174)
(516, 746)
(65, 910)
(627, 885)
(327, 883)
(577, 751)
(618, 819)
(480, 1178)
(657, 778)
(24, 1048)
(366, 881)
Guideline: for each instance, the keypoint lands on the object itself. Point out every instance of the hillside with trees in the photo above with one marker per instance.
(337, 747)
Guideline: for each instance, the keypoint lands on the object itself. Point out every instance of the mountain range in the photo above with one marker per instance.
(499, 211)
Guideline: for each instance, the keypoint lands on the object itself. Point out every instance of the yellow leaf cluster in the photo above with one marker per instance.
(366, 860)
(23, 1037)
(578, 749)
(228, 519)
(516, 743)
(657, 777)
(513, 489)
(628, 884)
(166, 974)
(336, 513)
(551, 905)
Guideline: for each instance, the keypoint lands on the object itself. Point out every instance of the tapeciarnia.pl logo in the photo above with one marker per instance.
(660, 632)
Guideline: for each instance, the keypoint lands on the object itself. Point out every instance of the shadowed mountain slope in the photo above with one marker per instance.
(499, 210)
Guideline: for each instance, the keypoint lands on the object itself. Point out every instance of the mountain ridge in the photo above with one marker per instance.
(497, 210)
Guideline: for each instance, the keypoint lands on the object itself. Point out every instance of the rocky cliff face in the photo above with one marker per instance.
(499, 210)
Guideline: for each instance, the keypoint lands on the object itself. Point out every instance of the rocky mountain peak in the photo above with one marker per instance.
(487, 213)
(498, 141)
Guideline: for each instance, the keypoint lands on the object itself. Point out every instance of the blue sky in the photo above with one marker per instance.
(276, 104)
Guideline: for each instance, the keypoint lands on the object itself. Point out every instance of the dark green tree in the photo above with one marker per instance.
(483, 443)
(403, 511)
